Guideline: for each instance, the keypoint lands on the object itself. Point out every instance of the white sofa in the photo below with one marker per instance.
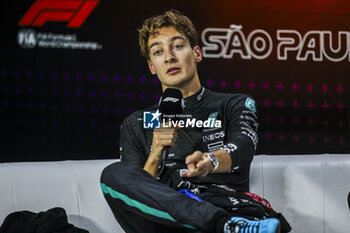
(310, 190)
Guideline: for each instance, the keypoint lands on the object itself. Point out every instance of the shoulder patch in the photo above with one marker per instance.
(250, 104)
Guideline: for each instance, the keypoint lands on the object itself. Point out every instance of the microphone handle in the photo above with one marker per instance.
(164, 157)
(165, 153)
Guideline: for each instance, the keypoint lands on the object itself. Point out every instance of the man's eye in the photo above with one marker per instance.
(178, 46)
(157, 52)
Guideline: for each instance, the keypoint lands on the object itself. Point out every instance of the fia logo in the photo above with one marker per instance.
(151, 119)
(27, 38)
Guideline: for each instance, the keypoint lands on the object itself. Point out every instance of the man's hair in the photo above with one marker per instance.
(173, 18)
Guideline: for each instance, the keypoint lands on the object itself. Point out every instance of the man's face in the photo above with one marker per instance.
(173, 59)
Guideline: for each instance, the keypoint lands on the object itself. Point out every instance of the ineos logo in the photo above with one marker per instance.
(27, 38)
(213, 136)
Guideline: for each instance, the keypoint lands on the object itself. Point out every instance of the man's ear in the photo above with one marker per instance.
(197, 53)
(151, 68)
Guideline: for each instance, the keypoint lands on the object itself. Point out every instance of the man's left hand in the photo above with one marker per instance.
(198, 164)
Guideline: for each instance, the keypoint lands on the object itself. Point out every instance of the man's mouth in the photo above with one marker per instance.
(173, 70)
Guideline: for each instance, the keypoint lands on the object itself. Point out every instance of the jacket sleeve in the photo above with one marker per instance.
(130, 147)
(241, 133)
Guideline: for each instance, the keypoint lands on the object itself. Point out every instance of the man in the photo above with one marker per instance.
(212, 162)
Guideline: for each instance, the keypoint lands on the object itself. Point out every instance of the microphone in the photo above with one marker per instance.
(170, 105)
(171, 102)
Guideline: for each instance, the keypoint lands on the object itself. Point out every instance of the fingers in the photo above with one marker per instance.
(202, 172)
(194, 157)
(178, 127)
(197, 165)
(191, 167)
(162, 137)
(203, 163)
(165, 136)
(197, 172)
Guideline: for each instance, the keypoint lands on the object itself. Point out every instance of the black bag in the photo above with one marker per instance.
(52, 221)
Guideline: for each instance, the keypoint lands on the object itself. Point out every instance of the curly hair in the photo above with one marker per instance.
(173, 18)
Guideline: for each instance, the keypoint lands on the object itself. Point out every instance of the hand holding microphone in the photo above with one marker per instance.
(170, 105)
(163, 138)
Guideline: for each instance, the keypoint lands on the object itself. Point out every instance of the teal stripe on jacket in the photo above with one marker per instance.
(142, 207)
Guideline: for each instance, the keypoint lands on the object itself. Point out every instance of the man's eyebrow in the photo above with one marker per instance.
(176, 38)
(153, 44)
(171, 40)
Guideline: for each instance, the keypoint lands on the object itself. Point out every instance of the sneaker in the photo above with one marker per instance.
(243, 225)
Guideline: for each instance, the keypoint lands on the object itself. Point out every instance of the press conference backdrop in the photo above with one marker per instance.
(70, 72)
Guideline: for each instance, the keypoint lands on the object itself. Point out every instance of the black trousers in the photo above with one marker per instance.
(141, 204)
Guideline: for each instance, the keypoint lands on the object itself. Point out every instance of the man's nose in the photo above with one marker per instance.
(169, 56)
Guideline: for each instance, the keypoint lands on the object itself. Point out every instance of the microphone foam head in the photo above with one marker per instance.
(171, 102)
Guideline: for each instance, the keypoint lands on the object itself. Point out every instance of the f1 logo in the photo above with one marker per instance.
(172, 99)
(73, 11)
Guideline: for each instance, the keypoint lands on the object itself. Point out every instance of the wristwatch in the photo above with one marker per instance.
(214, 161)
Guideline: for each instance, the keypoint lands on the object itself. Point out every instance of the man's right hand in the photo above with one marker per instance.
(162, 137)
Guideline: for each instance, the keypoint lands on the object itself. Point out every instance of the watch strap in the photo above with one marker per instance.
(214, 161)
